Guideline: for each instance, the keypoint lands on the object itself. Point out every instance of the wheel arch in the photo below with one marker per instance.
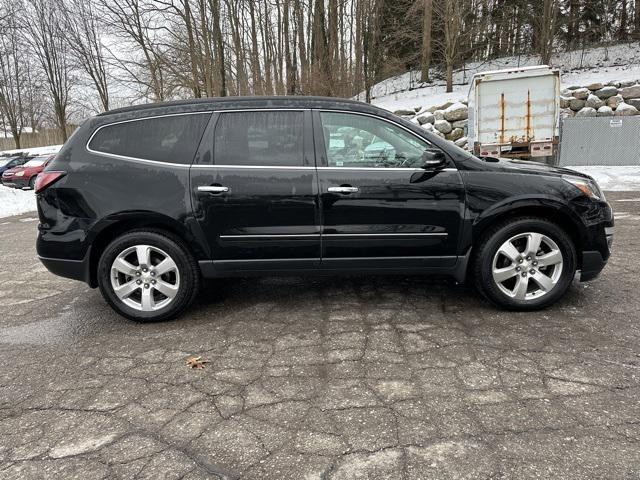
(115, 225)
(554, 212)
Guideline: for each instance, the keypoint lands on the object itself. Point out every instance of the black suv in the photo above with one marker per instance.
(145, 201)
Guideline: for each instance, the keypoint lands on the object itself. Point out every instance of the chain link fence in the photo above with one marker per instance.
(605, 141)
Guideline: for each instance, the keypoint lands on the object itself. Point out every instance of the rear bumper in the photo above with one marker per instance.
(73, 269)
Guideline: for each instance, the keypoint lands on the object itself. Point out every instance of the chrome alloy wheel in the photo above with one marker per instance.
(527, 266)
(145, 278)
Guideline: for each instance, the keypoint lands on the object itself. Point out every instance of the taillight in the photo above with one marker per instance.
(46, 179)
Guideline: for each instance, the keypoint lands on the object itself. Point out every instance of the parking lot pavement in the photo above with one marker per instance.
(336, 378)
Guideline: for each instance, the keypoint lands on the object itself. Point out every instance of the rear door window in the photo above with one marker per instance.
(254, 138)
(170, 139)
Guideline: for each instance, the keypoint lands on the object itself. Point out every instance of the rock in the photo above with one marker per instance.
(581, 93)
(565, 92)
(428, 127)
(634, 102)
(404, 112)
(614, 101)
(606, 92)
(444, 106)
(613, 83)
(605, 111)
(443, 126)
(426, 118)
(455, 112)
(630, 92)
(462, 141)
(565, 102)
(417, 109)
(574, 87)
(439, 133)
(439, 114)
(594, 102)
(576, 104)
(415, 120)
(456, 134)
(595, 86)
(460, 123)
(626, 110)
(587, 112)
(627, 83)
(564, 113)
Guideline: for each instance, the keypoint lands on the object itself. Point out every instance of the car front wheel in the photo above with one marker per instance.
(525, 264)
(148, 276)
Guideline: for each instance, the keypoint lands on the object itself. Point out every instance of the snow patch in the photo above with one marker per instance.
(48, 150)
(16, 202)
(615, 179)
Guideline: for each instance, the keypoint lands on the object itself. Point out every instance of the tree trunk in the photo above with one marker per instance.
(426, 40)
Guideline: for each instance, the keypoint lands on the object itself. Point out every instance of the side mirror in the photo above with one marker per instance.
(433, 159)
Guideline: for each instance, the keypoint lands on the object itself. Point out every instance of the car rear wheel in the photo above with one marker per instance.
(525, 264)
(148, 276)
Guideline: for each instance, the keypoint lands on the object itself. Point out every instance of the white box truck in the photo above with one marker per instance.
(515, 112)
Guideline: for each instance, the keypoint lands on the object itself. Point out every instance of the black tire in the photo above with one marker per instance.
(189, 272)
(32, 183)
(492, 240)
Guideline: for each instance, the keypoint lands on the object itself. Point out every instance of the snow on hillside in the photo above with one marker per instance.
(619, 62)
(16, 202)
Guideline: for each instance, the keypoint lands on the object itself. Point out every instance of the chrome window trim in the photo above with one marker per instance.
(263, 167)
(138, 159)
(391, 169)
(258, 109)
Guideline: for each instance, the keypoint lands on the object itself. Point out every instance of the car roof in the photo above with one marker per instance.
(242, 103)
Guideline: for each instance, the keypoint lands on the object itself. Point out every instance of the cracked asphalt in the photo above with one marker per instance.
(321, 378)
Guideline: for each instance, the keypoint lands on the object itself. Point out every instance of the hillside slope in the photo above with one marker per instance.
(620, 62)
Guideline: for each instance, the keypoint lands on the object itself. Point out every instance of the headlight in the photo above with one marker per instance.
(20, 174)
(588, 187)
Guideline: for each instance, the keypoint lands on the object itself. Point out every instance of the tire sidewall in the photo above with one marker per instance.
(179, 256)
(493, 243)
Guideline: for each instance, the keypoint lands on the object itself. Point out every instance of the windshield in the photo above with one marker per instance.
(36, 162)
(4, 161)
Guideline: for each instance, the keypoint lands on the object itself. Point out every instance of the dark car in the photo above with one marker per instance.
(144, 202)
(7, 163)
(24, 176)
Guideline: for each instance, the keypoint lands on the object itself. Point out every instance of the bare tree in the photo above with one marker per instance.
(48, 41)
(12, 76)
(133, 20)
(450, 13)
(426, 39)
(84, 33)
(545, 23)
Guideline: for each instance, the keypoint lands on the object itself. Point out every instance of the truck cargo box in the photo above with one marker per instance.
(515, 112)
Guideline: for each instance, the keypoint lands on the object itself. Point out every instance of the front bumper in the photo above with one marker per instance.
(593, 261)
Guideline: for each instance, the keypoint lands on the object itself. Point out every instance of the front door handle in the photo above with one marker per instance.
(345, 189)
(213, 189)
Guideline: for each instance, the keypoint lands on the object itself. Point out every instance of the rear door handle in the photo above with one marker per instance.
(213, 189)
(343, 189)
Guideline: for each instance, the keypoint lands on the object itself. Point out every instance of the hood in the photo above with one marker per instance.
(534, 168)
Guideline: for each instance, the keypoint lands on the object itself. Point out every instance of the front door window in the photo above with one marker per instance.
(363, 141)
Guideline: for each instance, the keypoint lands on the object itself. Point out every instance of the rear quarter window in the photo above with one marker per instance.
(169, 139)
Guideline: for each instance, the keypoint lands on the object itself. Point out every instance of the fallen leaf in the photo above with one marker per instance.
(196, 362)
